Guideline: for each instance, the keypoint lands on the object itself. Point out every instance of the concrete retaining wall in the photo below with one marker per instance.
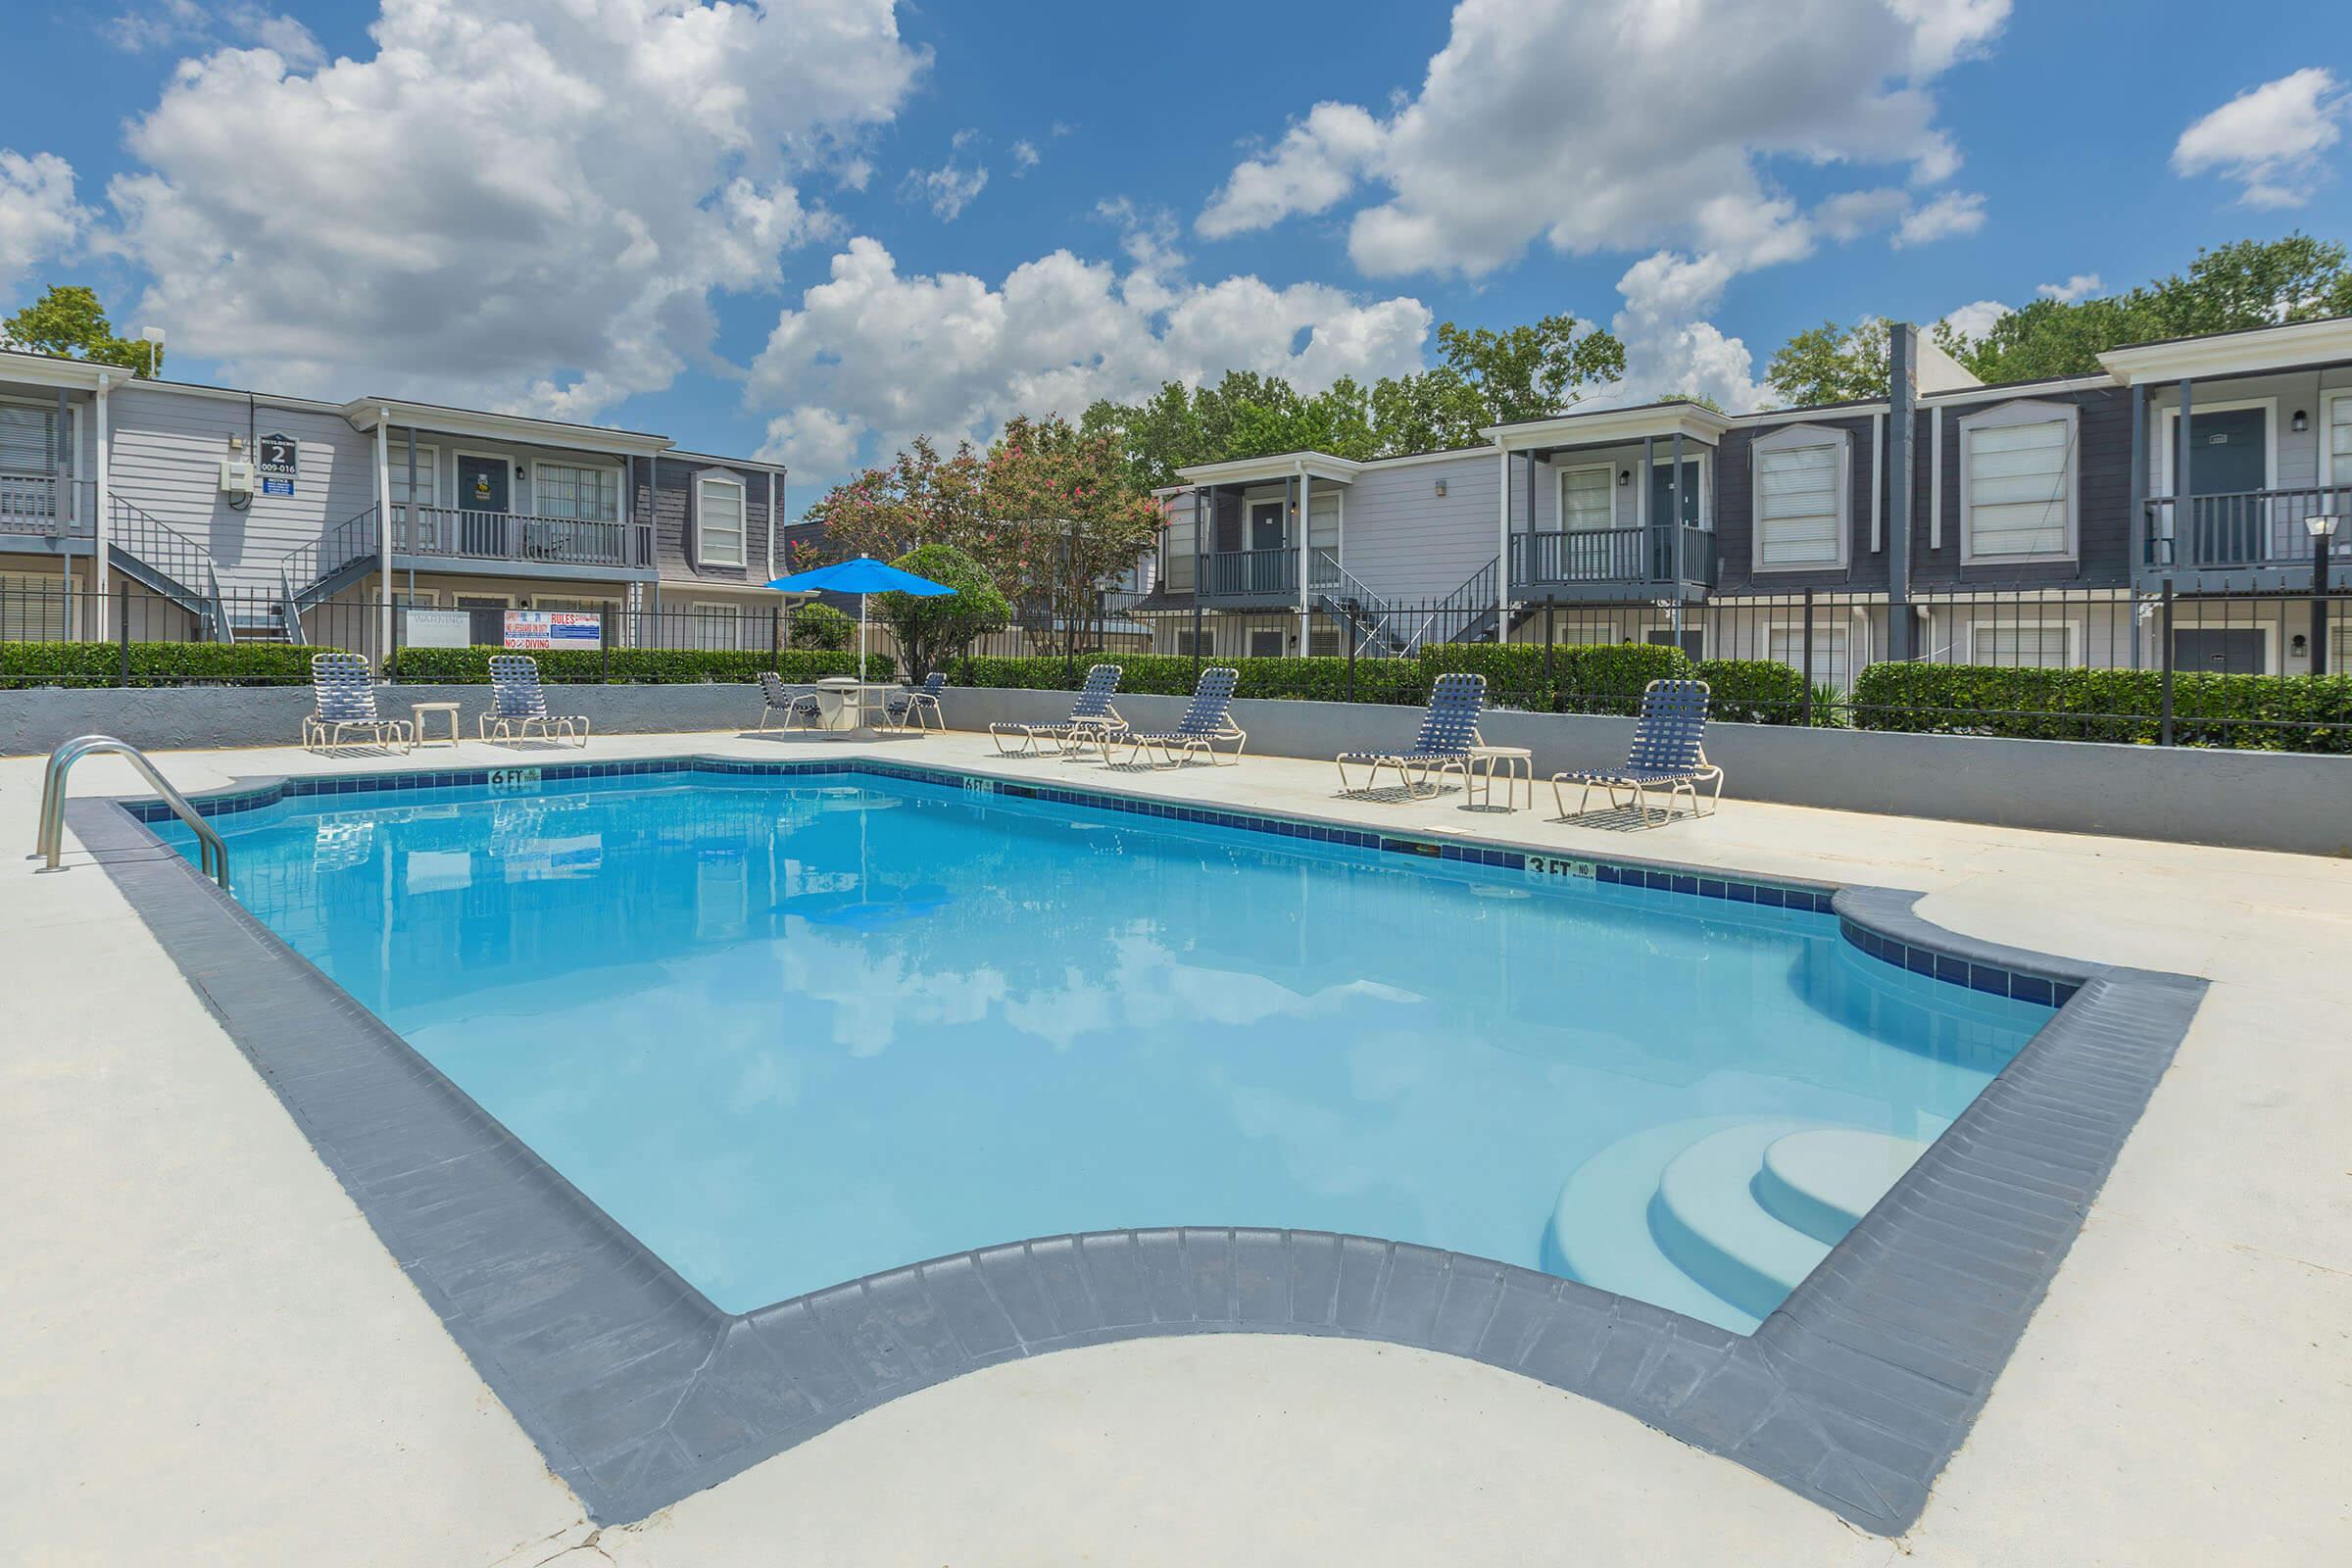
(2251, 800)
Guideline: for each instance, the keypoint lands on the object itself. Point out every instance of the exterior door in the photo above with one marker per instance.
(1266, 546)
(1662, 539)
(2236, 651)
(1265, 644)
(484, 492)
(2229, 460)
(1693, 642)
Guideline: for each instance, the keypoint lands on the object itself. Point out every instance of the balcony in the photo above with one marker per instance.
(2241, 541)
(456, 537)
(43, 507)
(1662, 561)
(1244, 576)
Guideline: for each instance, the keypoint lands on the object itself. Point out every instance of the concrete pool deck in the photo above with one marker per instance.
(2182, 1390)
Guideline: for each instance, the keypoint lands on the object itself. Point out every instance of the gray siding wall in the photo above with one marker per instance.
(167, 448)
(671, 506)
(2299, 452)
(1735, 515)
(1400, 538)
(2102, 471)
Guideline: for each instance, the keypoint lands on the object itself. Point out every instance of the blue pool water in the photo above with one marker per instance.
(792, 1031)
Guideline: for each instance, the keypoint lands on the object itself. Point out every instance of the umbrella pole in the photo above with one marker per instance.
(861, 639)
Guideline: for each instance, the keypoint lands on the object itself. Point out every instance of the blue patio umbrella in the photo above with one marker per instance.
(862, 577)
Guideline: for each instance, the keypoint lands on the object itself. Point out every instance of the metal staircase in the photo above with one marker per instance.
(162, 559)
(1382, 629)
(1467, 614)
(342, 556)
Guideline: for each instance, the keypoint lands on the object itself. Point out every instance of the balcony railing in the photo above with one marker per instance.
(1249, 573)
(456, 533)
(2246, 528)
(48, 506)
(1662, 554)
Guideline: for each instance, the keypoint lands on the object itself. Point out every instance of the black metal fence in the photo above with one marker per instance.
(2068, 663)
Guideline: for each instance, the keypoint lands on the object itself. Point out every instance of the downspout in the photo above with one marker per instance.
(1305, 500)
(1502, 533)
(772, 522)
(101, 500)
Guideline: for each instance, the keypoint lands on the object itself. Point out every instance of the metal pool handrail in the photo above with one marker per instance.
(212, 853)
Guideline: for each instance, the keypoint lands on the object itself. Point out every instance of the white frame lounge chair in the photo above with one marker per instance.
(343, 698)
(1448, 729)
(517, 701)
(1206, 725)
(1093, 721)
(796, 702)
(1669, 753)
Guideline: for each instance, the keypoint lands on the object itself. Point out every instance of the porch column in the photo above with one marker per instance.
(1503, 537)
(1673, 534)
(99, 505)
(1901, 456)
(2183, 507)
(383, 535)
(2142, 533)
(61, 505)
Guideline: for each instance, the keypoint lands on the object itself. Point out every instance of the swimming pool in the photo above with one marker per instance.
(794, 1031)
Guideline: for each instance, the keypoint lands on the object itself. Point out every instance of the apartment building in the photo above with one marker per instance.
(227, 513)
(2029, 523)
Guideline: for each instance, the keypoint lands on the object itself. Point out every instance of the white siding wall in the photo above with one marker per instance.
(1403, 539)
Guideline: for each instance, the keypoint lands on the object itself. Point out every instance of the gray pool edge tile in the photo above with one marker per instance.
(655, 1394)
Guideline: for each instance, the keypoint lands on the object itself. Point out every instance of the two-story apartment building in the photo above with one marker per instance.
(251, 514)
(2033, 523)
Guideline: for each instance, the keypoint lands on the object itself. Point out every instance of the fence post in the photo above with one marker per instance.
(775, 638)
(2164, 652)
(1552, 688)
(604, 646)
(1808, 659)
(122, 624)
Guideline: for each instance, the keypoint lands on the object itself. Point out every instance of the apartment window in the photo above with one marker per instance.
(429, 475)
(1801, 505)
(1189, 643)
(1323, 642)
(719, 522)
(1691, 640)
(28, 438)
(578, 494)
(2036, 645)
(714, 625)
(2339, 438)
(2340, 645)
(1829, 666)
(2017, 484)
(1267, 644)
(1176, 551)
(34, 607)
(1588, 498)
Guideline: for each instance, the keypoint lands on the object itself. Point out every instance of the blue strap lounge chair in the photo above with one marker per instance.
(796, 704)
(1093, 721)
(1448, 729)
(519, 703)
(1669, 753)
(1206, 725)
(920, 707)
(343, 700)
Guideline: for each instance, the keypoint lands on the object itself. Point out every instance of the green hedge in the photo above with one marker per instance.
(155, 664)
(644, 666)
(2105, 705)
(1584, 677)
(1753, 691)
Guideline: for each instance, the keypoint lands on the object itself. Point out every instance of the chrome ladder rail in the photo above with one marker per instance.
(211, 851)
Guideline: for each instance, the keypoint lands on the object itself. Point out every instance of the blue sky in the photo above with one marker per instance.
(810, 230)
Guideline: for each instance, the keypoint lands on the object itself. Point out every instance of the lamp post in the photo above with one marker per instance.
(2321, 528)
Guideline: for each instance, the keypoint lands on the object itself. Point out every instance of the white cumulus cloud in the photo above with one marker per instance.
(2272, 139)
(872, 355)
(39, 219)
(1976, 319)
(529, 205)
(2081, 286)
(1953, 213)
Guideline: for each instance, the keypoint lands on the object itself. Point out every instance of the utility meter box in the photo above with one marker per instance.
(236, 475)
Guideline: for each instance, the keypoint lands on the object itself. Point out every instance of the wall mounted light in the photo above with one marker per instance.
(2301, 420)
(1625, 477)
(2299, 646)
(1440, 489)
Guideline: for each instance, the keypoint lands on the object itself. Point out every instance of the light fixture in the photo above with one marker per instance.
(2300, 646)
(1440, 489)
(1625, 476)
(2301, 420)
(2320, 525)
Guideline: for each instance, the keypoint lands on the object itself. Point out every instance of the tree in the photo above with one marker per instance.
(1700, 398)
(1831, 363)
(1431, 412)
(930, 630)
(920, 497)
(69, 321)
(1532, 372)
(816, 624)
(2228, 288)
(1066, 518)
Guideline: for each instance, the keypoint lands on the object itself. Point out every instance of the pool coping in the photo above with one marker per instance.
(1854, 1393)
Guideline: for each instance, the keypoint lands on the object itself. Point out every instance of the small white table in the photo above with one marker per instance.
(844, 701)
(1518, 766)
(418, 710)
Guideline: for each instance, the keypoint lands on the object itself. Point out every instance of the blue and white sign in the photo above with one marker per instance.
(277, 487)
(277, 457)
(554, 628)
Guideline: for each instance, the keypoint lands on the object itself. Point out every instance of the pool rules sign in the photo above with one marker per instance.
(275, 457)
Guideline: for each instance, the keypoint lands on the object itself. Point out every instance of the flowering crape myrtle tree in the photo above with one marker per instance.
(1069, 521)
(1049, 511)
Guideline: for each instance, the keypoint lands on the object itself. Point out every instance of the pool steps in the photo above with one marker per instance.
(1720, 1217)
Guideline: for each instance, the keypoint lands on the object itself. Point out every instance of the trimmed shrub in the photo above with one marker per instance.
(817, 627)
(1377, 680)
(645, 667)
(155, 664)
(1608, 677)
(1753, 691)
(2244, 711)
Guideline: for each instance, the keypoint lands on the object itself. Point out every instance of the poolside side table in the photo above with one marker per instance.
(447, 710)
(1518, 766)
